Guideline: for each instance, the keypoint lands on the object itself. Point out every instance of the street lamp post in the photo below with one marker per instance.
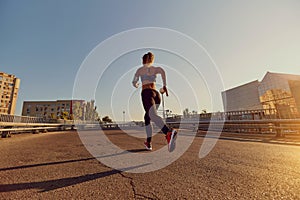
(163, 105)
(123, 117)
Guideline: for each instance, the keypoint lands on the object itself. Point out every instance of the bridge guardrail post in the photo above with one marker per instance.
(279, 131)
(6, 134)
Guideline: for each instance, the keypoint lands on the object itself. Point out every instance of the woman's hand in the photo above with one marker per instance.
(166, 91)
(136, 85)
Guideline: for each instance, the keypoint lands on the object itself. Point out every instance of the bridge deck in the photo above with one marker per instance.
(56, 165)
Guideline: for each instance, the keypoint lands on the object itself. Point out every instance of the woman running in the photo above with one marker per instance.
(151, 100)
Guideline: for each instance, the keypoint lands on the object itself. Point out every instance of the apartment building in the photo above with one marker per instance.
(9, 88)
(53, 109)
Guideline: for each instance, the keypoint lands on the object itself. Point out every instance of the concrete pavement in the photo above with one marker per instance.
(56, 165)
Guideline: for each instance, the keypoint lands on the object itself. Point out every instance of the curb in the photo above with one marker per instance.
(262, 140)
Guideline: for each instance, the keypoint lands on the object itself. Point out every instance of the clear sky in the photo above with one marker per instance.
(44, 43)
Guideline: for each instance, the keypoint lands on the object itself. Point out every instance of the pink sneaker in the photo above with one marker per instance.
(171, 139)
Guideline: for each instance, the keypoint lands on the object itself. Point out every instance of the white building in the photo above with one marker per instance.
(276, 91)
(244, 97)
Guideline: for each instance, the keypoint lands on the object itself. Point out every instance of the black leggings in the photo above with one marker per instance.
(151, 100)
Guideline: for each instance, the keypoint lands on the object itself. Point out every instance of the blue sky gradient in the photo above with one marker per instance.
(44, 42)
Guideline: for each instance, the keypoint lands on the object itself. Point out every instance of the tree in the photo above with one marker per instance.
(53, 116)
(168, 112)
(65, 115)
(78, 110)
(91, 113)
(106, 119)
(186, 113)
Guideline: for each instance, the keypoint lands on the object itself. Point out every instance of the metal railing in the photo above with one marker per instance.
(279, 127)
(14, 123)
(25, 119)
(217, 122)
(258, 114)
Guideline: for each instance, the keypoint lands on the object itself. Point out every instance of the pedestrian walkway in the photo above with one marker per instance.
(288, 139)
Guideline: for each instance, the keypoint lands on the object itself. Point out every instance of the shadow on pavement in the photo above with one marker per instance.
(46, 164)
(70, 161)
(138, 150)
(55, 184)
(49, 185)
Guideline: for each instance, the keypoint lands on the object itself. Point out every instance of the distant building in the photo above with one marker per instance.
(54, 109)
(276, 91)
(244, 97)
(9, 88)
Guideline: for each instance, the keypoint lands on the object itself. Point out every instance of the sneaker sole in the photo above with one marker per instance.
(147, 148)
(172, 143)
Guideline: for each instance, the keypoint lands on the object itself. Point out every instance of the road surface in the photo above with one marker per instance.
(56, 165)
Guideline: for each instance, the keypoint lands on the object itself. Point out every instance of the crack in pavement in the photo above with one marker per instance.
(135, 194)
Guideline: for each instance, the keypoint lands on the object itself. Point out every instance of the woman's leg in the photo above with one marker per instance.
(148, 127)
(153, 113)
(151, 100)
(148, 101)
